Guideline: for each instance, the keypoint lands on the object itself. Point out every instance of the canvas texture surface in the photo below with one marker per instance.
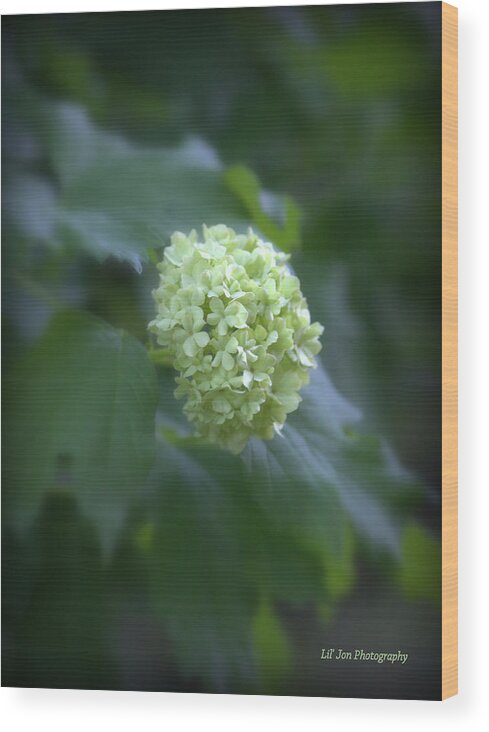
(222, 329)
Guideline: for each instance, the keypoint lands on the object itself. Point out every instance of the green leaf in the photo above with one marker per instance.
(30, 206)
(245, 185)
(279, 521)
(197, 588)
(214, 553)
(339, 574)
(320, 475)
(59, 583)
(338, 567)
(116, 198)
(272, 646)
(81, 417)
(420, 574)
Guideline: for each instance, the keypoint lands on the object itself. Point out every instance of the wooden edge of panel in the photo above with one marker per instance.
(449, 33)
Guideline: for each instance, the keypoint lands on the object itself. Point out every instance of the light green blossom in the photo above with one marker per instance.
(237, 328)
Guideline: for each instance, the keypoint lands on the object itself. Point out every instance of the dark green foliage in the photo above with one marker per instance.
(87, 392)
(135, 557)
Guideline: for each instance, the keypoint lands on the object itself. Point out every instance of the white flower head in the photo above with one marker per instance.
(233, 320)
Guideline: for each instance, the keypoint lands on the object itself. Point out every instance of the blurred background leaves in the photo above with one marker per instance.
(136, 558)
(80, 409)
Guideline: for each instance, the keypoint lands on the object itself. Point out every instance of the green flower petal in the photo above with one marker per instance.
(242, 374)
(202, 338)
(227, 361)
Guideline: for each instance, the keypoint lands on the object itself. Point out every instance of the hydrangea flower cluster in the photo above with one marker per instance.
(238, 330)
